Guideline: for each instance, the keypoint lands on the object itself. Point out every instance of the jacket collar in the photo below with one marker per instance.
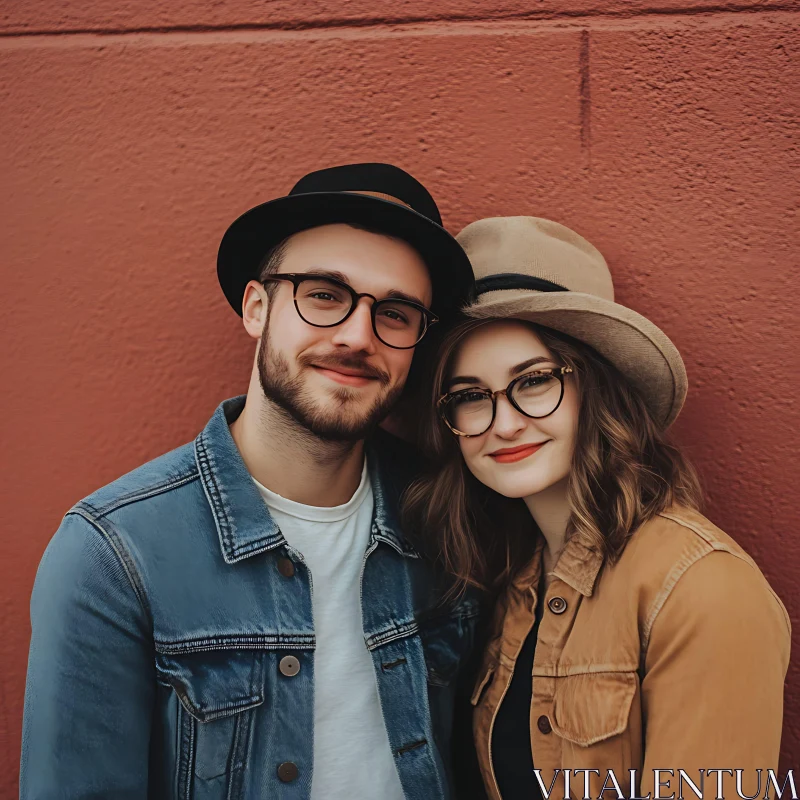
(244, 524)
(386, 491)
(578, 566)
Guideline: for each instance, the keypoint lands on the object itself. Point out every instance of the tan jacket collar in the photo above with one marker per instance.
(578, 565)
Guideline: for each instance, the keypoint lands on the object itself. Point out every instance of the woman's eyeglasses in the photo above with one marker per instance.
(471, 412)
(326, 302)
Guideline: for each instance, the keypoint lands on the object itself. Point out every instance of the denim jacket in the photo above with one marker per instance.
(161, 613)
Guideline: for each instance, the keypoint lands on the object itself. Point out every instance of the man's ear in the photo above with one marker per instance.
(255, 305)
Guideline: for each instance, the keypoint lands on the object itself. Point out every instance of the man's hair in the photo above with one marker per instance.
(271, 263)
(623, 473)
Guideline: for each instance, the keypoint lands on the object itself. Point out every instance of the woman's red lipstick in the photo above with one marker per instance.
(507, 455)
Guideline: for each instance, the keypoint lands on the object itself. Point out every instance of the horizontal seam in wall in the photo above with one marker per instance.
(377, 23)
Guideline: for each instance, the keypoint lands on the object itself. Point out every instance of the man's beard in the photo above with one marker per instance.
(337, 423)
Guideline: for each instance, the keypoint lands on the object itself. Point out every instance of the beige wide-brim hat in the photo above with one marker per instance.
(533, 269)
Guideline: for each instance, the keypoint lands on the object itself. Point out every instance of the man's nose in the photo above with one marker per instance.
(356, 331)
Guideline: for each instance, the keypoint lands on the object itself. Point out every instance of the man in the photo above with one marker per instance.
(243, 617)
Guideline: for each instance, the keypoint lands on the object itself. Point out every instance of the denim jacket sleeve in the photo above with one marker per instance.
(90, 687)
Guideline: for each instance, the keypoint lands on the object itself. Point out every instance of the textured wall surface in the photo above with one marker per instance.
(132, 133)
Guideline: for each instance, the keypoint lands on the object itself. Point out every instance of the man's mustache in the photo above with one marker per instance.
(331, 361)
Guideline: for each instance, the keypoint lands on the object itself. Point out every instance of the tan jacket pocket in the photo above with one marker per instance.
(591, 707)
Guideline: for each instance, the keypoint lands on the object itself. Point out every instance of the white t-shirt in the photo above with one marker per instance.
(352, 755)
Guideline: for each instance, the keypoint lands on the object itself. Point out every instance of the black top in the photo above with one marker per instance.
(511, 739)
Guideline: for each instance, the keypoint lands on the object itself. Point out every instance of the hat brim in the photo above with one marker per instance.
(253, 234)
(638, 349)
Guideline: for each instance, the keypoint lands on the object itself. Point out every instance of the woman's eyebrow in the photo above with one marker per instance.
(456, 379)
(471, 379)
(529, 363)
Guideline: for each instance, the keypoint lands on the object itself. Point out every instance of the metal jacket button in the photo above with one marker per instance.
(558, 605)
(286, 567)
(289, 666)
(543, 724)
(288, 771)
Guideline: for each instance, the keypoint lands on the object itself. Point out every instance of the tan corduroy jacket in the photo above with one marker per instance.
(672, 658)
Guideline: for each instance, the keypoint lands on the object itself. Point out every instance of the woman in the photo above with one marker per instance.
(630, 633)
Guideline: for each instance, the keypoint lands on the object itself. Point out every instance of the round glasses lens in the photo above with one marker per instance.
(322, 302)
(469, 412)
(397, 323)
(537, 394)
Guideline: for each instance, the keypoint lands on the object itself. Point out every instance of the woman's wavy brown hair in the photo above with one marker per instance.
(624, 472)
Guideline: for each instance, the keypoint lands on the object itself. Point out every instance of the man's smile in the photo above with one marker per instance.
(345, 375)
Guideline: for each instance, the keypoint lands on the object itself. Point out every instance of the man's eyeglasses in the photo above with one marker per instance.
(471, 412)
(325, 302)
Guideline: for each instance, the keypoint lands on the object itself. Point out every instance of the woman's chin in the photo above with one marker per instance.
(521, 485)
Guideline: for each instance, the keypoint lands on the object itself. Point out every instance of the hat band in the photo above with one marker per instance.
(514, 280)
(380, 196)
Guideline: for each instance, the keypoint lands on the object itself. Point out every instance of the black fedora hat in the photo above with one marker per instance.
(381, 197)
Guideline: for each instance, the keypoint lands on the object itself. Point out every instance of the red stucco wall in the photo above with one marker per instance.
(132, 133)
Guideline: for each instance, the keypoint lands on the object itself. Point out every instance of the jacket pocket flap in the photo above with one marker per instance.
(594, 706)
(214, 684)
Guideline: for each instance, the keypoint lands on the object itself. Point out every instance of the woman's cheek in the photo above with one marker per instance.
(470, 448)
(471, 453)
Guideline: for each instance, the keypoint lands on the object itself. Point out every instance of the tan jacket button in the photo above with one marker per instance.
(558, 605)
(288, 771)
(543, 724)
(289, 666)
